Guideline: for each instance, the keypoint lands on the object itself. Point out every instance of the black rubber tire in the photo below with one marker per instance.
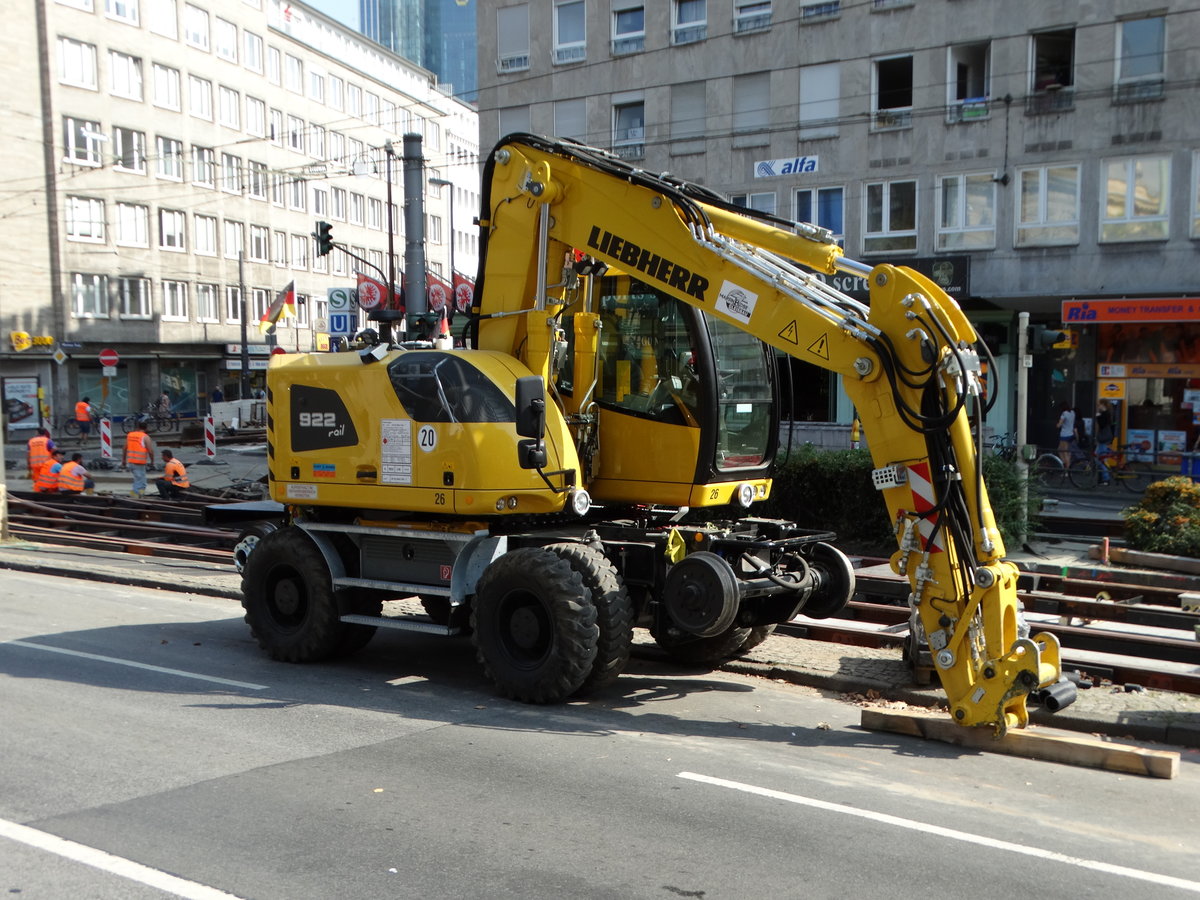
(357, 601)
(1047, 471)
(614, 611)
(290, 605)
(1083, 474)
(706, 652)
(758, 634)
(71, 428)
(534, 626)
(1135, 476)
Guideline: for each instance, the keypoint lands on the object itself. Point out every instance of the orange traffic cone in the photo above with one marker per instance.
(443, 341)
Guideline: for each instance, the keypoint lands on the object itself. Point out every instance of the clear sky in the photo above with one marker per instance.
(345, 11)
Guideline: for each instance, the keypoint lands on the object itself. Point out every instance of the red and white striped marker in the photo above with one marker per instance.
(210, 437)
(106, 438)
(924, 500)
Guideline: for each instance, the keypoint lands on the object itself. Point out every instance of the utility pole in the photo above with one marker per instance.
(416, 301)
(244, 382)
(1024, 363)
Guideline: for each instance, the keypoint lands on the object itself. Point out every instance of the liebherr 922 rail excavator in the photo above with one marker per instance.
(591, 463)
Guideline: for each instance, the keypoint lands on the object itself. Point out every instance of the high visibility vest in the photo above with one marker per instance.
(70, 478)
(39, 452)
(176, 473)
(135, 449)
(47, 476)
(83, 412)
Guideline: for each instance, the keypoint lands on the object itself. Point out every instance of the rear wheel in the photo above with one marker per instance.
(534, 626)
(1083, 473)
(71, 428)
(129, 423)
(1134, 476)
(1048, 471)
(614, 611)
(707, 651)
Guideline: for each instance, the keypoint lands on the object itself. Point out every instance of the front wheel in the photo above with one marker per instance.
(1083, 473)
(129, 423)
(71, 428)
(1134, 476)
(705, 651)
(1047, 471)
(534, 626)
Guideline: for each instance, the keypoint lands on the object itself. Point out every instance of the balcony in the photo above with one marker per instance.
(751, 23)
(820, 12)
(969, 110)
(1138, 91)
(891, 119)
(1054, 99)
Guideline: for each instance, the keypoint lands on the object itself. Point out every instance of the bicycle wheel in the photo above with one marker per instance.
(129, 423)
(1047, 471)
(71, 428)
(150, 425)
(1083, 473)
(1134, 476)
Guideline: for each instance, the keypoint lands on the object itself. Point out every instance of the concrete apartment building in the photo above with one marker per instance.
(165, 154)
(1031, 157)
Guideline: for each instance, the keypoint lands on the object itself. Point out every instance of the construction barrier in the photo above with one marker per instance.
(106, 438)
(210, 437)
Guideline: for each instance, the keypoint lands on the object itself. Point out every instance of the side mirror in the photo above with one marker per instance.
(531, 407)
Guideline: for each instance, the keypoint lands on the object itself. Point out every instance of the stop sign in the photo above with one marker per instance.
(109, 357)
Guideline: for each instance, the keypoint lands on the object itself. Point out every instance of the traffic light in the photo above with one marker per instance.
(324, 236)
(1043, 338)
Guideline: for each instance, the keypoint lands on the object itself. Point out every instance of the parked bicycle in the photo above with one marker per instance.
(147, 420)
(1002, 445)
(70, 425)
(1132, 474)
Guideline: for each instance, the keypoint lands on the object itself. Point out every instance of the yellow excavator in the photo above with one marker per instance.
(591, 463)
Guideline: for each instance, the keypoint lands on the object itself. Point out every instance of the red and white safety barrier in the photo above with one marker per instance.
(106, 438)
(210, 437)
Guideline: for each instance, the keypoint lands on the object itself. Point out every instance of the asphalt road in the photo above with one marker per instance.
(147, 726)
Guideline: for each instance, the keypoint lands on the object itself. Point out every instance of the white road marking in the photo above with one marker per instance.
(106, 862)
(137, 665)
(965, 836)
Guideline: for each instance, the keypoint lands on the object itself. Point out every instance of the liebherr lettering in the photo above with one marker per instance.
(634, 258)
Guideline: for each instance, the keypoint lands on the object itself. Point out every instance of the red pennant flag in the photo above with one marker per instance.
(464, 292)
(437, 291)
(283, 306)
(372, 294)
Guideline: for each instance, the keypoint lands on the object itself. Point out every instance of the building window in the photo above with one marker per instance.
(1048, 206)
(256, 117)
(170, 158)
(751, 16)
(129, 148)
(205, 235)
(175, 301)
(371, 110)
(275, 131)
(231, 173)
(628, 30)
(296, 133)
(513, 119)
(230, 107)
(259, 301)
(77, 63)
(200, 98)
(316, 142)
(195, 26)
(629, 130)
(890, 217)
(166, 87)
(133, 225)
(1052, 72)
(122, 10)
(300, 251)
(337, 204)
(688, 110)
(206, 303)
(256, 180)
(893, 95)
(570, 32)
(259, 238)
(297, 189)
(820, 12)
(358, 205)
(1141, 59)
(171, 230)
(293, 74)
(689, 21)
(966, 212)
(968, 82)
(1135, 205)
(762, 201)
(225, 42)
(512, 39)
(316, 85)
(279, 246)
(274, 64)
(336, 92)
(133, 298)
(85, 219)
(375, 215)
(320, 202)
(570, 119)
(81, 141)
(823, 207)
(89, 296)
(233, 305)
(337, 148)
(252, 51)
(278, 189)
(751, 102)
(354, 100)
(820, 99)
(162, 18)
(124, 75)
(204, 166)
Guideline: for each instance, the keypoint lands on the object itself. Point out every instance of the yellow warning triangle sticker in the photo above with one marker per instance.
(820, 346)
(791, 333)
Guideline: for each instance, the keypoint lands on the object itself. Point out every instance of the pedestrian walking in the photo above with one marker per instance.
(218, 396)
(46, 480)
(40, 448)
(175, 478)
(1066, 433)
(74, 478)
(83, 415)
(136, 456)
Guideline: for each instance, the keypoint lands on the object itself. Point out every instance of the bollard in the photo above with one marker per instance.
(106, 438)
(210, 437)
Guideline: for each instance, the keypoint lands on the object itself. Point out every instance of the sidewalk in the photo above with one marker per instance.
(1149, 715)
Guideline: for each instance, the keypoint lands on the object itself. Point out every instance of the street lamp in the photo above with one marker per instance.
(442, 182)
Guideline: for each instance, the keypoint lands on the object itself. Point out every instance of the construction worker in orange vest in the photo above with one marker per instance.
(46, 480)
(74, 478)
(136, 457)
(83, 415)
(175, 478)
(40, 446)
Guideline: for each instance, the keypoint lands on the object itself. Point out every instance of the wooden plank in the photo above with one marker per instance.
(1057, 746)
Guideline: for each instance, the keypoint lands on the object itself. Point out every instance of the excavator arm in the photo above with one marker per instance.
(907, 358)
